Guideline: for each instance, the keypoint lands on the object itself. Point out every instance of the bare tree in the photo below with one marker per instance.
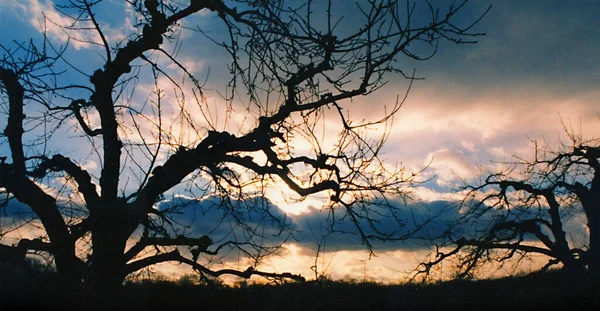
(545, 207)
(292, 70)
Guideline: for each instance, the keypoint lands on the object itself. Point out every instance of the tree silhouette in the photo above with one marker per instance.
(548, 206)
(292, 69)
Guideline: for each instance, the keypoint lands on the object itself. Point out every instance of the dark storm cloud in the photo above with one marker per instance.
(407, 218)
(259, 221)
(268, 224)
(13, 209)
(335, 231)
(526, 41)
(224, 221)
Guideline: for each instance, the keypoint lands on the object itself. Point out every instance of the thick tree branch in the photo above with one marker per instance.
(44, 206)
(283, 174)
(509, 246)
(76, 108)
(60, 163)
(104, 81)
(14, 127)
(275, 50)
(176, 256)
(562, 246)
(201, 244)
(35, 245)
(80, 229)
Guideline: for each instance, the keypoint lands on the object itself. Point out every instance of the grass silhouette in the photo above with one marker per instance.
(553, 288)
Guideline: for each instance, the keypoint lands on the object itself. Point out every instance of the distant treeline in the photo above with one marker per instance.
(39, 286)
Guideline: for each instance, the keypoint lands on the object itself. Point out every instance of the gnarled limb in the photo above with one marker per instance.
(177, 257)
(59, 163)
(201, 244)
(292, 70)
(76, 109)
(507, 210)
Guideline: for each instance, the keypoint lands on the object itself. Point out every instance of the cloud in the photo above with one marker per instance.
(526, 41)
(387, 267)
(489, 99)
(332, 231)
(427, 193)
(450, 167)
(407, 217)
(44, 15)
(340, 254)
(260, 222)
(273, 226)
(479, 103)
(498, 152)
(254, 220)
(481, 129)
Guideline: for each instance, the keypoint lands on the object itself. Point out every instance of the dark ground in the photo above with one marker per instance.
(552, 290)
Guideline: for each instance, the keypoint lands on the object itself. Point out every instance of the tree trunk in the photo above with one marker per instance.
(593, 253)
(105, 275)
(68, 266)
(110, 232)
(591, 206)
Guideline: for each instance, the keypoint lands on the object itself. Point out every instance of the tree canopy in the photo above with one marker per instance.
(545, 207)
(95, 147)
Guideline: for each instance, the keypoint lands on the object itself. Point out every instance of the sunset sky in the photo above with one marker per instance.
(537, 66)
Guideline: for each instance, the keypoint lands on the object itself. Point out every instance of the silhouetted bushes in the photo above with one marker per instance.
(548, 289)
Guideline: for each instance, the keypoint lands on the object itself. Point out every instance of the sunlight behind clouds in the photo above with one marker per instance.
(534, 75)
(389, 267)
